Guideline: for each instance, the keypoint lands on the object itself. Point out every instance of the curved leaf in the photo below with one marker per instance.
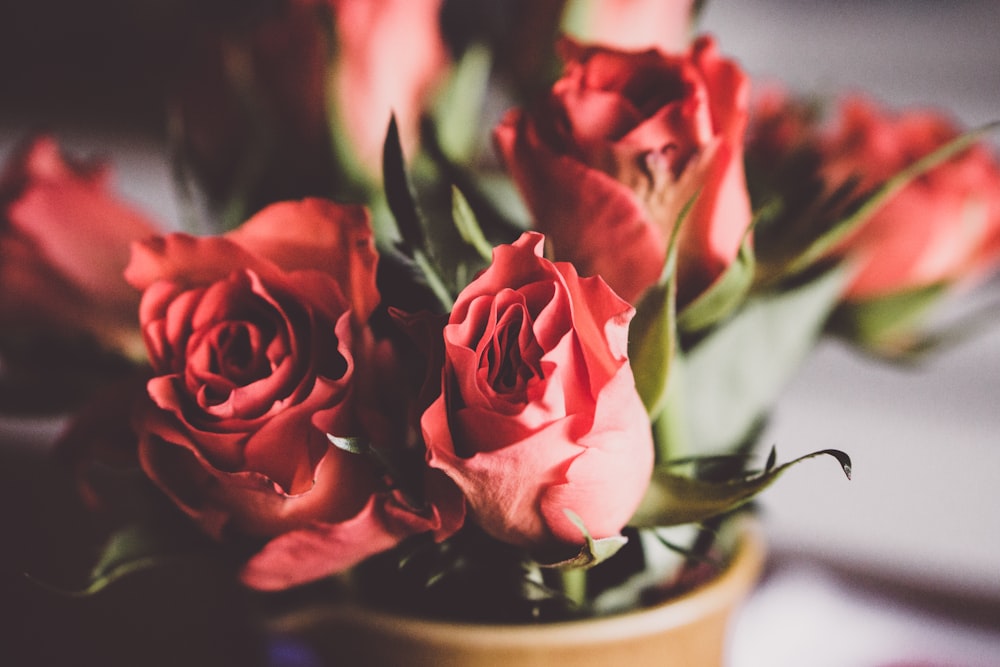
(675, 499)
(653, 331)
(399, 192)
(468, 226)
(652, 340)
(132, 548)
(725, 385)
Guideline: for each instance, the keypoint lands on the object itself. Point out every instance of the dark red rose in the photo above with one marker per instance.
(256, 340)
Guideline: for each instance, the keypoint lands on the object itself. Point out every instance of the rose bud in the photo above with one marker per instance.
(256, 339)
(537, 413)
(611, 157)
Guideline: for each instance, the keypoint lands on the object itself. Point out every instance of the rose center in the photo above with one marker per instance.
(233, 359)
(508, 370)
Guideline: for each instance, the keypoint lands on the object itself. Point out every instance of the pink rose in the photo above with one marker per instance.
(622, 142)
(64, 242)
(537, 412)
(942, 227)
(390, 57)
(635, 24)
(256, 341)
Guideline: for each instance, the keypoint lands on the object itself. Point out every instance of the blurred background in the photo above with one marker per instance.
(919, 522)
(915, 535)
(925, 440)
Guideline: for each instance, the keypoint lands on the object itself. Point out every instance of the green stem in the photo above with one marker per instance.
(574, 585)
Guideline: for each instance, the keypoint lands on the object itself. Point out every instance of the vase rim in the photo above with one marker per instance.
(715, 595)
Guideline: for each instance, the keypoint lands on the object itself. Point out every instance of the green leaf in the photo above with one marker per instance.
(724, 295)
(434, 281)
(674, 499)
(398, 190)
(652, 340)
(886, 325)
(653, 331)
(468, 226)
(593, 551)
(400, 197)
(132, 548)
(458, 108)
(725, 385)
(823, 245)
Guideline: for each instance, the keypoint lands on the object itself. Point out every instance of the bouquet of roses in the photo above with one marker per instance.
(523, 375)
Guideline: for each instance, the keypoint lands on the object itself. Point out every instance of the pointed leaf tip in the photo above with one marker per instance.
(398, 191)
(843, 459)
(772, 459)
(674, 499)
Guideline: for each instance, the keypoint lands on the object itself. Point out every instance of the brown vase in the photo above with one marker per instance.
(689, 630)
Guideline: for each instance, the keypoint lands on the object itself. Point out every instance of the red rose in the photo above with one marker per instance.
(390, 56)
(255, 341)
(634, 24)
(64, 241)
(942, 227)
(622, 142)
(538, 412)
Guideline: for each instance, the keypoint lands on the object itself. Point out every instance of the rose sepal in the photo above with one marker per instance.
(593, 552)
(725, 294)
(653, 331)
(888, 326)
(893, 327)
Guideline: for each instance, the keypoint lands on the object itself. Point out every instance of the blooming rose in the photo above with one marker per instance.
(538, 412)
(64, 241)
(943, 226)
(390, 56)
(256, 341)
(621, 144)
(635, 24)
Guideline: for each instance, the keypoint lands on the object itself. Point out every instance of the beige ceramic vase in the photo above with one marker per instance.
(689, 630)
